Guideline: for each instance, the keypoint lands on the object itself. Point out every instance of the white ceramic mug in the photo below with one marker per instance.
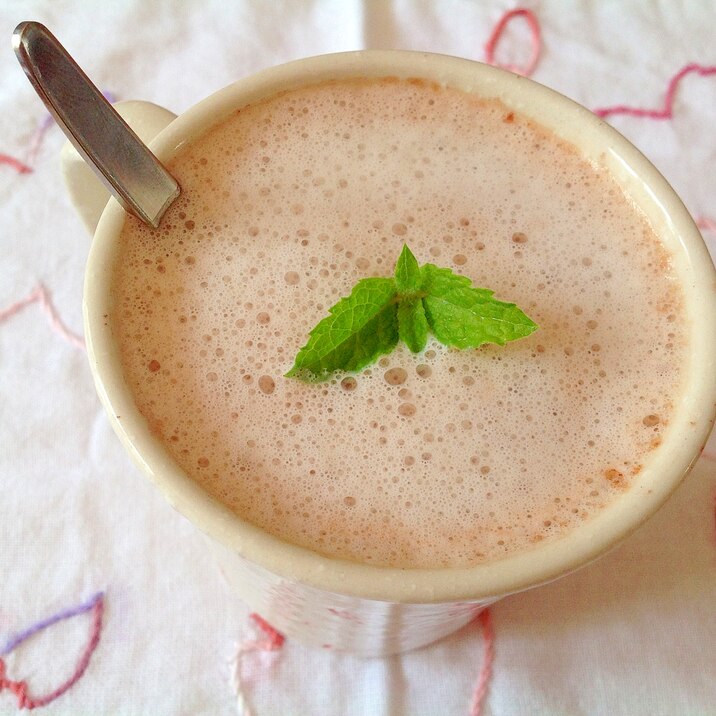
(379, 610)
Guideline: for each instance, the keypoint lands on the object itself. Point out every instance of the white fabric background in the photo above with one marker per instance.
(633, 634)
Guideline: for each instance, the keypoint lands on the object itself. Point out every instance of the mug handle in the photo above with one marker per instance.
(87, 193)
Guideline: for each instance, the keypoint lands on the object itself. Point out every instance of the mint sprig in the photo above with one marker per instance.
(417, 301)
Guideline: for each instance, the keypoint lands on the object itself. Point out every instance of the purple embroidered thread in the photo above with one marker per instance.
(38, 136)
(16, 639)
(20, 688)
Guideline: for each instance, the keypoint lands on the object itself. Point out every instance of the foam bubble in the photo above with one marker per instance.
(395, 376)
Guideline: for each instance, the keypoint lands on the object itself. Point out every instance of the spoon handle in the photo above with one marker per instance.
(121, 160)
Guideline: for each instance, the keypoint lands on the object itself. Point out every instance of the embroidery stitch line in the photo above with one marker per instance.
(667, 111)
(488, 655)
(16, 164)
(704, 222)
(535, 39)
(41, 295)
(16, 639)
(38, 137)
(272, 642)
(20, 688)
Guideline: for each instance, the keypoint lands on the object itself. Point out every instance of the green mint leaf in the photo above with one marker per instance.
(438, 281)
(358, 329)
(419, 300)
(465, 317)
(413, 324)
(408, 277)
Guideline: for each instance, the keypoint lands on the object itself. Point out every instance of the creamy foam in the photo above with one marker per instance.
(441, 458)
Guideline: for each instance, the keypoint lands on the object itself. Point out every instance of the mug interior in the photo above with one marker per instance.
(596, 141)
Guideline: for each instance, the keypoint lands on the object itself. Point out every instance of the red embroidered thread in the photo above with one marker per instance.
(272, 642)
(488, 656)
(667, 112)
(40, 295)
(535, 39)
(16, 164)
(20, 688)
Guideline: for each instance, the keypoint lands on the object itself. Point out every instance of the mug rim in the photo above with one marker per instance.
(683, 440)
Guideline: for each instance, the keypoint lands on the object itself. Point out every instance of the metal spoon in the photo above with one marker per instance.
(124, 164)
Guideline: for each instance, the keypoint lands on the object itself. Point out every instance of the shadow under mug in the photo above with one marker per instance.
(379, 610)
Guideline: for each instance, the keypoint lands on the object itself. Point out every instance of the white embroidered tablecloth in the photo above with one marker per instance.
(633, 634)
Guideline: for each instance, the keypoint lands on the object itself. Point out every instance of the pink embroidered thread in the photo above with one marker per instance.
(16, 164)
(704, 222)
(20, 688)
(535, 40)
(40, 295)
(667, 111)
(488, 656)
(273, 641)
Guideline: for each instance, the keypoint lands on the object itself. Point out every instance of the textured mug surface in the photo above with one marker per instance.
(379, 610)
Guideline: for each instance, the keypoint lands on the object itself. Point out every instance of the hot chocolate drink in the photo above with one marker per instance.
(442, 458)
